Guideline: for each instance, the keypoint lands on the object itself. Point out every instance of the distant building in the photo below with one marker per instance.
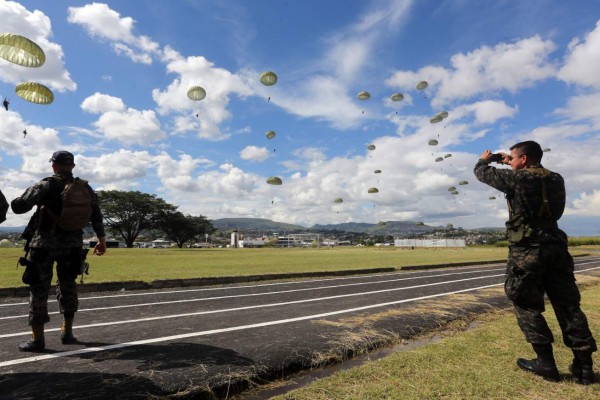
(414, 243)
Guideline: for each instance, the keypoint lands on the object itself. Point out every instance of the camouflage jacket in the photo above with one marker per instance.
(44, 234)
(536, 199)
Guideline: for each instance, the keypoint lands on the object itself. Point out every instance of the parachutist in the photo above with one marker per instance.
(24, 133)
(197, 116)
(5, 103)
(269, 99)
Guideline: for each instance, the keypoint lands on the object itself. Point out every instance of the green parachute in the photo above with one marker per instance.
(268, 78)
(451, 189)
(422, 85)
(463, 182)
(373, 190)
(34, 93)
(492, 197)
(274, 180)
(270, 134)
(19, 50)
(438, 159)
(371, 147)
(447, 155)
(432, 142)
(364, 95)
(377, 171)
(397, 97)
(196, 93)
(339, 200)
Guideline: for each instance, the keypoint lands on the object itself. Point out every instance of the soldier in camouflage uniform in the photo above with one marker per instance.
(539, 261)
(49, 244)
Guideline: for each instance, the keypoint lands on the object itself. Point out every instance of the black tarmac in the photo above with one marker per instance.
(216, 341)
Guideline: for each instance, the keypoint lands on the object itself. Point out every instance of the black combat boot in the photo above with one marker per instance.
(582, 367)
(37, 343)
(544, 365)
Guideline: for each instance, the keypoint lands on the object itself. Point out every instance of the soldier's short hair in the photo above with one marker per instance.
(531, 148)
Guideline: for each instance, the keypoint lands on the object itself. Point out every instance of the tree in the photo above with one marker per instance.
(128, 213)
(183, 228)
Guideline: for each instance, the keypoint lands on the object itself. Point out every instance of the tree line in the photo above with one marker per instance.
(127, 214)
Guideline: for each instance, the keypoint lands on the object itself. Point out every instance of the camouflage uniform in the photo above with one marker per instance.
(539, 261)
(51, 244)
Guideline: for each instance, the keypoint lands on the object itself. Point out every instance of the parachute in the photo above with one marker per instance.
(492, 197)
(454, 192)
(422, 85)
(19, 50)
(34, 92)
(397, 97)
(373, 190)
(270, 134)
(547, 149)
(338, 200)
(274, 180)
(463, 182)
(432, 142)
(268, 78)
(364, 95)
(439, 159)
(448, 155)
(196, 93)
(451, 189)
(371, 147)
(443, 114)
(435, 119)
(377, 171)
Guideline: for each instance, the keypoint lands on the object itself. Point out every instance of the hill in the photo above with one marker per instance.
(254, 224)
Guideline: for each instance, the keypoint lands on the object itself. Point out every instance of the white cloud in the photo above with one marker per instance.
(486, 111)
(99, 103)
(506, 66)
(582, 60)
(254, 153)
(101, 21)
(35, 26)
(583, 107)
(126, 125)
(219, 84)
(587, 204)
(119, 169)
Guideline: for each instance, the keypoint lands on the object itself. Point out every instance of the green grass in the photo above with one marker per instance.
(151, 264)
(473, 364)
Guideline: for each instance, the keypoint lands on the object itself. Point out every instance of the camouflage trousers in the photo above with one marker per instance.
(68, 262)
(547, 268)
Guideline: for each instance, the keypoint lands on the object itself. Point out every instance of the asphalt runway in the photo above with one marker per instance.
(159, 342)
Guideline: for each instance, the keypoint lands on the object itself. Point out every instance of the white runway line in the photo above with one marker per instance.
(235, 328)
(339, 296)
(223, 330)
(255, 294)
(296, 282)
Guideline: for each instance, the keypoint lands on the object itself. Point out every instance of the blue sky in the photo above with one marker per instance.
(505, 71)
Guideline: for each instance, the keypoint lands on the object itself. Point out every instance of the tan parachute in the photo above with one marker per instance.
(34, 93)
(397, 97)
(19, 50)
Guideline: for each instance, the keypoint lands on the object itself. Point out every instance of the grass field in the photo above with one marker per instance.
(477, 363)
(151, 264)
(146, 265)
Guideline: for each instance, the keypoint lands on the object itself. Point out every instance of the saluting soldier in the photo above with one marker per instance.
(54, 234)
(538, 260)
